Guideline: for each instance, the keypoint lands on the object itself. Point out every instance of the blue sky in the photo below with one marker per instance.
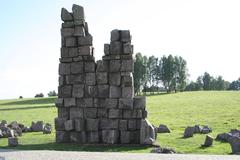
(206, 33)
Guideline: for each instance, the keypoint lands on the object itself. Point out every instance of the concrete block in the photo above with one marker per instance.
(76, 113)
(126, 103)
(103, 91)
(90, 79)
(110, 136)
(77, 67)
(64, 68)
(115, 92)
(78, 90)
(90, 112)
(69, 125)
(102, 77)
(92, 124)
(70, 102)
(64, 91)
(114, 79)
(115, 65)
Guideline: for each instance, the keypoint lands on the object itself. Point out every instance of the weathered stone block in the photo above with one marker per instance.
(71, 41)
(62, 136)
(85, 102)
(115, 113)
(108, 103)
(127, 92)
(61, 80)
(67, 32)
(126, 103)
(127, 48)
(75, 79)
(93, 137)
(70, 102)
(64, 52)
(116, 47)
(102, 77)
(92, 124)
(65, 60)
(123, 125)
(78, 90)
(73, 52)
(85, 41)
(90, 79)
(65, 15)
(127, 81)
(114, 79)
(78, 12)
(12, 141)
(127, 113)
(90, 112)
(59, 123)
(64, 68)
(69, 24)
(127, 66)
(89, 66)
(85, 50)
(79, 31)
(102, 113)
(110, 136)
(109, 124)
(145, 113)
(188, 132)
(79, 124)
(78, 137)
(64, 91)
(37, 126)
(115, 35)
(76, 112)
(59, 102)
(132, 124)
(63, 112)
(147, 132)
(78, 58)
(125, 36)
(125, 137)
(102, 66)
(69, 125)
(106, 49)
(114, 65)
(139, 102)
(90, 91)
(137, 113)
(103, 91)
(77, 67)
(115, 92)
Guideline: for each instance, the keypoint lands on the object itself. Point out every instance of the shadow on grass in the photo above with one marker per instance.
(78, 147)
(32, 101)
(25, 108)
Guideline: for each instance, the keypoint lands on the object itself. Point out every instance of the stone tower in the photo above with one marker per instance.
(96, 102)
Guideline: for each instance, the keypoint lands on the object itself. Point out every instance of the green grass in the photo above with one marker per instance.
(218, 109)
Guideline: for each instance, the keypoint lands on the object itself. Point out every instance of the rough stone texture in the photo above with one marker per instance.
(96, 102)
(163, 129)
(208, 141)
(189, 131)
(12, 141)
(235, 144)
(37, 126)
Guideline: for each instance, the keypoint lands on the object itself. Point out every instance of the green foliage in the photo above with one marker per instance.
(52, 93)
(39, 95)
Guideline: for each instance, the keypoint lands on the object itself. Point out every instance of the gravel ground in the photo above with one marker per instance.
(66, 155)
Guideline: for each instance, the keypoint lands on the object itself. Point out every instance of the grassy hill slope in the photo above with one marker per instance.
(218, 109)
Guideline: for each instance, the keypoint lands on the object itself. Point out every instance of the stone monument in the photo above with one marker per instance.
(96, 102)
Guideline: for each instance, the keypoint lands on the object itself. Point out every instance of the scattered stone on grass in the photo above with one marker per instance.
(208, 141)
(163, 129)
(163, 150)
(12, 141)
(189, 131)
(37, 126)
(47, 129)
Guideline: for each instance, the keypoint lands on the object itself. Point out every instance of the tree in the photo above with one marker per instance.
(52, 93)
(206, 81)
(181, 67)
(199, 83)
(235, 85)
(39, 95)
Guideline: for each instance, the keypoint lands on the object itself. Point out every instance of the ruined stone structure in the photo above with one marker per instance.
(96, 102)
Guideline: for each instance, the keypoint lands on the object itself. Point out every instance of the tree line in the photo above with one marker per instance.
(153, 74)
(170, 73)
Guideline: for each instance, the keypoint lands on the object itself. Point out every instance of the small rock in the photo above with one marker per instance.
(224, 137)
(208, 141)
(198, 129)
(163, 150)
(163, 129)
(206, 130)
(189, 131)
(12, 141)
(37, 126)
(47, 129)
(27, 129)
(235, 144)
(149, 141)
(156, 150)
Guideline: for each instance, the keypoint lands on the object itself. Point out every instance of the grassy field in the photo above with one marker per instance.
(218, 109)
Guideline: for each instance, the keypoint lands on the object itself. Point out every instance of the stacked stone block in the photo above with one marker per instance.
(96, 102)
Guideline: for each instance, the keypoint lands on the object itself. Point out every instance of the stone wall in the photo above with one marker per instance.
(96, 102)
